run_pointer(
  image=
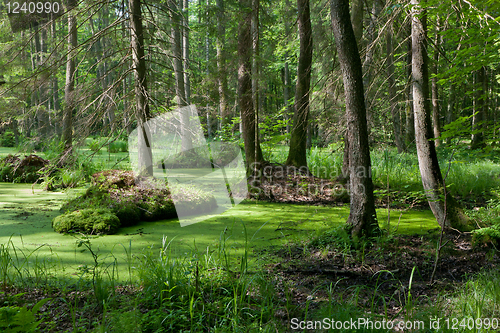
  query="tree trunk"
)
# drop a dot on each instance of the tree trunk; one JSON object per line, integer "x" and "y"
{"x": 221, "y": 64}
{"x": 55, "y": 86}
{"x": 176, "y": 41}
{"x": 145, "y": 158}
{"x": 180, "y": 92}
{"x": 297, "y": 153}
{"x": 410, "y": 120}
{"x": 255, "y": 59}
{"x": 362, "y": 216}
{"x": 69, "y": 95}
{"x": 286, "y": 74}
{"x": 447, "y": 212}
{"x": 357, "y": 20}
{"x": 450, "y": 108}
{"x": 253, "y": 152}
{"x": 185, "y": 51}
{"x": 478, "y": 118}
{"x": 434, "y": 88}
{"x": 393, "y": 99}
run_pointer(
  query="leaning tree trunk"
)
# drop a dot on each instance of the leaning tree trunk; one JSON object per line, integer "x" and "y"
{"x": 447, "y": 211}
{"x": 145, "y": 158}
{"x": 362, "y": 216}
{"x": 297, "y": 153}
{"x": 253, "y": 151}
{"x": 69, "y": 95}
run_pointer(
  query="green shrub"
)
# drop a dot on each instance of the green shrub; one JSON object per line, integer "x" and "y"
{"x": 90, "y": 221}
{"x": 8, "y": 139}
{"x": 118, "y": 146}
{"x": 486, "y": 236}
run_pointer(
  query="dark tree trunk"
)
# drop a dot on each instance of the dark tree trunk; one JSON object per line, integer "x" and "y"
{"x": 362, "y": 216}
{"x": 180, "y": 91}
{"x": 410, "y": 120}
{"x": 447, "y": 212}
{"x": 253, "y": 151}
{"x": 69, "y": 94}
{"x": 176, "y": 18}
{"x": 393, "y": 99}
{"x": 185, "y": 51}
{"x": 145, "y": 158}
{"x": 221, "y": 64}
{"x": 480, "y": 91}
{"x": 297, "y": 152}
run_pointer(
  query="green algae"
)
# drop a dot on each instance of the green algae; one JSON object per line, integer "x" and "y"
{"x": 26, "y": 215}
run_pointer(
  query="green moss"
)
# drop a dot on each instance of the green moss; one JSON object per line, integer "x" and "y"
{"x": 128, "y": 213}
{"x": 90, "y": 221}
{"x": 486, "y": 236}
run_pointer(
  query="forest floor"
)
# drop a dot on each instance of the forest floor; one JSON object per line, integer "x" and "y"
{"x": 379, "y": 277}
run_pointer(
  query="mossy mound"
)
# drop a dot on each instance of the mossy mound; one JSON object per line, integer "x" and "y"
{"x": 25, "y": 170}
{"x": 89, "y": 221}
{"x": 148, "y": 200}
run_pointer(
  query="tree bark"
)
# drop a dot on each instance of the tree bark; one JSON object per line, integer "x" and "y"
{"x": 145, "y": 158}
{"x": 357, "y": 20}
{"x": 253, "y": 151}
{"x": 410, "y": 120}
{"x": 221, "y": 64}
{"x": 185, "y": 51}
{"x": 69, "y": 94}
{"x": 480, "y": 91}
{"x": 393, "y": 99}
{"x": 297, "y": 153}
{"x": 434, "y": 89}
{"x": 447, "y": 211}
{"x": 362, "y": 216}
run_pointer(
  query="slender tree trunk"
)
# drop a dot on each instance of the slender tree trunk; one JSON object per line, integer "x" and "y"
{"x": 55, "y": 85}
{"x": 177, "y": 50}
{"x": 450, "y": 108}
{"x": 362, "y": 216}
{"x": 253, "y": 152}
{"x": 393, "y": 99}
{"x": 297, "y": 153}
{"x": 286, "y": 74}
{"x": 434, "y": 89}
{"x": 255, "y": 59}
{"x": 410, "y": 119}
{"x": 69, "y": 95}
{"x": 478, "y": 118}
{"x": 447, "y": 212}
{"x": 185, "y": 51}
{"x": 145, "y": 158}
{"x": 221, "y": 64}
{"x": 176, "y": 17}
{"x": 370, "y": 51}
{"x": 357, "y": 20}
